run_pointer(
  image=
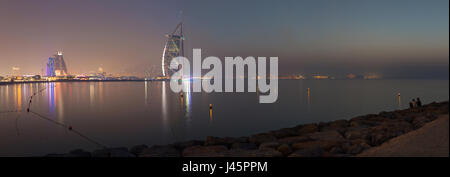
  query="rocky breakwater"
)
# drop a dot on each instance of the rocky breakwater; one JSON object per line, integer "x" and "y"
{"x": 340, "y": 138}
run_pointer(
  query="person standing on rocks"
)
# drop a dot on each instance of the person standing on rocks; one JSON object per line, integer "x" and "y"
{"x": 419, "y": 103}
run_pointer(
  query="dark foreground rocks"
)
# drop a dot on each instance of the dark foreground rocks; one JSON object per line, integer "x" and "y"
{"x": 431, "y": 140}
{"x": 340, "y": 138}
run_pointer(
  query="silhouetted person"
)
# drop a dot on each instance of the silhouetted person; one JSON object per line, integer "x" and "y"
{"x": 419, "y": 103}
{"x": 414, "y": 103}
{"x": 410, "y": 104}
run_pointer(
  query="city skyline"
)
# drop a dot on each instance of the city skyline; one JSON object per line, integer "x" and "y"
{"x": 182, "y": 79}
{"x": 394, "y": 39}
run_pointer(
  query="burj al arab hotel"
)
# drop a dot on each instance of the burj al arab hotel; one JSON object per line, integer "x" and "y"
{"x": 174, "y": 47}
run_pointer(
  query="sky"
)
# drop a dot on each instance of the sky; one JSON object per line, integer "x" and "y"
{"x": 404, "y": 39}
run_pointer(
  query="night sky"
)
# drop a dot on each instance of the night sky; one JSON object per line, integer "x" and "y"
{"x": 397, "y": 39}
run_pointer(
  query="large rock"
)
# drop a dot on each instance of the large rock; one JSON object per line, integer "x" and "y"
{"x": 73, "y": 153}
{"x": 308, "y": 128}
{"x": 325, "y": 145}
{"x": 246, "y": 146}
{"x": 355, "y": 147}
{"x": 56, "y": 155}
{"x": 101, "y": 153}
{"x": 79, "y": 153}
{"x": 120, "y": 152}
{"x": 308, "y": 152}
{"x": 181, "y": 145}
{"x": 327, "y": 136}
{"x": 136, "y": 150}
{"x": 443, "y": 108}
{"x": 389, "y": 115}
{"x": 261, "y": 138}
{"x": 432, "y": 115}
{"x": 227, "y": 141}
{"x": 112, "y": 152}
{"x": 285, "y": 132}
{"x": 388, "y": 130}
{"x": 364, "y": 123}
{"x": 294, "y": 139}
{"x": 269, "y": 145}
{"x": 284, "y": 149}
{"x": 336, "y": 150}
{"x": 252, "y": 153}
{"x": 338, "y": 125}
{"x": 418, "y": 122}
{"x": 357, "y": 133}
{"x": 204, "y": 151}
{"x": 160, "y": 151}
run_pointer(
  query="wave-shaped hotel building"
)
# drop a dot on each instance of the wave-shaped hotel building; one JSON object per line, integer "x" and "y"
{"x": 174, "y": 47}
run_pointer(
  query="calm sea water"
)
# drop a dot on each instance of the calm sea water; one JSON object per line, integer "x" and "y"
{"x": 124, "y": 114}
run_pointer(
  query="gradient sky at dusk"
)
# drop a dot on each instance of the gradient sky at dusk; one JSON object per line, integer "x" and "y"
{"x": 398, "y": 39}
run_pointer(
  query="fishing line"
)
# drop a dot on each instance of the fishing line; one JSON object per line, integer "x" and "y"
{"x": 61, "y": 124}
{"x": 71, "y": 129}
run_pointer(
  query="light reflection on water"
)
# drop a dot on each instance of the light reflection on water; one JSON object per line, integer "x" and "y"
{"x": 187, "y": 95}
{"x": 114, "y": 114}
{"x": 92, "y": 93}
{"x": 146, "y": 92}
{"x": 51, "y": 97}
{"x": 309, "y": 99}
{"x": 164, "y": 109}
{"x": 18, "y": 93}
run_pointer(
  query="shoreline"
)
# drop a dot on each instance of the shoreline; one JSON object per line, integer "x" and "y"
{"x": 339, "y": 138}
{"x": 32, "y": 82}
{"x": 162, "y": 80}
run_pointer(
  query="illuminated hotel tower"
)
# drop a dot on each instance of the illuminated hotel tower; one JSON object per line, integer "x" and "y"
{"x": 174, "y": 47}
{"x": 56, "y": 65}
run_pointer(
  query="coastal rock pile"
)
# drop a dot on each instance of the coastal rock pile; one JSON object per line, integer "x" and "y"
{"x": 340, "y": 138}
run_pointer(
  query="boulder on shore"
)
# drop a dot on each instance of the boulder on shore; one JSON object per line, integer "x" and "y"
{"x": 246, "y": 146}
{"x": 308, "y": 128}
{"x": 325, "y": 145}
{"x": 181, "y": 145}
{"x": 262, "y": 138}
{"x": 284, "y": 149}
{"x": 112, "y": 152}
{"x": 252, "y": 153}
{"x": 204, "y": 151}
{"x": 284, "y": 132}
{"x": 227, "y": 141}
{"x": 269, "y": 145}
{"x": 136, "y": 150}
{"x": 340, "y": 138}
{"x": 160, "y": 151}
{"x": 294, "y": 139}
{"x": 308, "y": 152}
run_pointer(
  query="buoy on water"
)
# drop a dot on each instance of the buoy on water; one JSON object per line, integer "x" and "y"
{"x": 210, "y": 112}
